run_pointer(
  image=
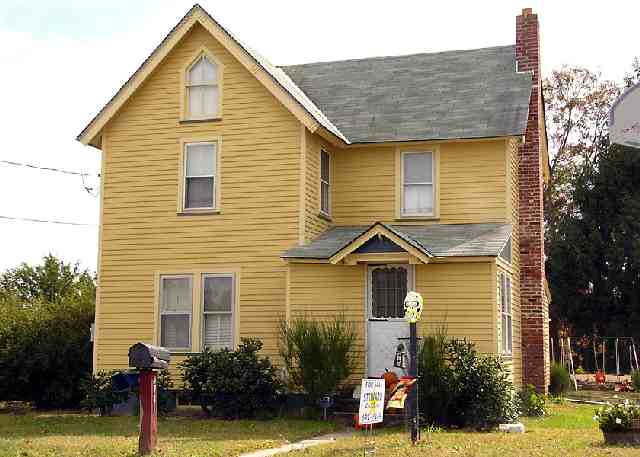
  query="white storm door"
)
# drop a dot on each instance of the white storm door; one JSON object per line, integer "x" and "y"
{"x": 387, "y": 286}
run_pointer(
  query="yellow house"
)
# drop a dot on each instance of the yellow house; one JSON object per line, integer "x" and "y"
{"x": 236, "y": 193}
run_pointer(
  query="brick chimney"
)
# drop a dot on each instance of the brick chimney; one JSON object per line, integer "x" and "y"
{"x": 533, "y": 303}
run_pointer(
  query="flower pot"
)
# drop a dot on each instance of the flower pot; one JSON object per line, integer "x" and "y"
{"x": 623, "y": 437}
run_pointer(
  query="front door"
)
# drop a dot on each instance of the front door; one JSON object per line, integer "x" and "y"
{"x": 387, "y": 286}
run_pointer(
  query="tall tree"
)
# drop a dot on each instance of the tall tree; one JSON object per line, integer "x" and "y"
{"x": 53, "y": 281}
{"x": 591, "y": 208}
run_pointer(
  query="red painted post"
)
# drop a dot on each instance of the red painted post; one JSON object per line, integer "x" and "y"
{"x": 148, "y": 413}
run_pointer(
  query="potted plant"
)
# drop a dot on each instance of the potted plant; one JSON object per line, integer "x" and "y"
{"x": 620, "y": 423}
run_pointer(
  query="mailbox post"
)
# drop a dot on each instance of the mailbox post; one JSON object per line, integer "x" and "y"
{"x": 147, "y": 359}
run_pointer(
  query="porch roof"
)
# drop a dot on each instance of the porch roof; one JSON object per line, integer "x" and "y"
{"x": 433, "y": 240}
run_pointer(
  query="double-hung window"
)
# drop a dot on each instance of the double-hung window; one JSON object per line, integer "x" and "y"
{"x": 176, "y": 306}
{"x": 507, "y": 317}
{"x": 200, "y": 168}
{"x": 417, "y": 184}
{"x": 203, "y": 89}
{"x": 218, "y": 304}
{"x": 325, "y": 183}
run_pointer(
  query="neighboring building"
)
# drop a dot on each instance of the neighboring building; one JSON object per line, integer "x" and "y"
{"x": 236, "y": 194}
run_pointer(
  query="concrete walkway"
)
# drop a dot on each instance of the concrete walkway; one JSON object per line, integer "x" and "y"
{"x": 317, "y": 441}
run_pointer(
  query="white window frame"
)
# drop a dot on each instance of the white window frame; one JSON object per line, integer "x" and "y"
{"x": 175, "y": 313}
{"x": 214, "y": 199}
{"x": 188, "y": 84}
{"x": 506, "y": 315}
{"x": 233, "y": 306}
{"x": 327, "y": 183}
{"x": 403, "y": 212}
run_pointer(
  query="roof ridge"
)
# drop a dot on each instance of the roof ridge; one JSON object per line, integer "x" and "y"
{"x": 362, "y": 59}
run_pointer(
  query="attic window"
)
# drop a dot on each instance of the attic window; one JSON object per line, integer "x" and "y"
{"x": 202, "y": 89}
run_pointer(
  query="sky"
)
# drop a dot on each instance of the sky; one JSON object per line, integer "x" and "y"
{"x": 63, "y": 60}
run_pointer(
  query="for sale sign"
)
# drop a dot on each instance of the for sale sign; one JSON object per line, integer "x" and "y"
{"x": 371, "y": 401}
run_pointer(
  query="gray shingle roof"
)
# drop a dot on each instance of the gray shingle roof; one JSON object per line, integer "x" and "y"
{"x": 437, "y": 240}
{"x": 456, "y": 94}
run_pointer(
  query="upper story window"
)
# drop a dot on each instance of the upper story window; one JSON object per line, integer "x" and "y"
{"x": 417, "y": 184}
{"x": 202, "y": 89}
{"x": 200, "y": 175}
{"x": 325, "y": 182}
{"x": 506, "y": 313}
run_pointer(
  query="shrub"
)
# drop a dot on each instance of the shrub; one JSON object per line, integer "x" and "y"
{"x": 100, "y": 394}
{"x": 531, "y": 403}
{"x": 459, "y": 387}
{"x": 45, "y": 351}
{"x": 618, "y": 417}
{"x": 165, "y": 398}
{"x": 483, "y": 394}
{"x": 233, "y": 384}
{"x": 560, "y": 379}
{"x": 435, "y": 373}
{"x": 635, "y": 380}
{"x": 317, "y": 355}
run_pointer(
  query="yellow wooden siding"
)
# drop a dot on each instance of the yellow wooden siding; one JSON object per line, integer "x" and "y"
{"x": 514, "y": 214}
{"x": 318, "y": 291}
{"x": 459, "y": 298}
{"x": 472, "y": 183}
{"x": 141, "y": 231}
{"x": 314, "y": 223}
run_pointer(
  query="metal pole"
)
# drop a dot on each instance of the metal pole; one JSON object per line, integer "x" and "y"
{"x": 413, "y": 372}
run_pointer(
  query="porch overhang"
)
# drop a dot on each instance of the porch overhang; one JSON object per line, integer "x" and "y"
{"x": 413, "y": 244}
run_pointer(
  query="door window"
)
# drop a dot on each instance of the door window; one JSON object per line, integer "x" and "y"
{"x": 388, "y": 290}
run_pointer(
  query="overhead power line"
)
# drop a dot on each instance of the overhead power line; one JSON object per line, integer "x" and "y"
{"x": 89, "y": 190}
{"x": 46, "y": 221}
{"x": 36, "y": 167}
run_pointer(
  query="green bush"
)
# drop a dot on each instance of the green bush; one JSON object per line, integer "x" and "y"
{"x": 560, "y": 380}
{"x": 436, "y": 394}
{"x": 233, "y": 384}
{"x": 531, "y": 403}
{"x": 462, "y": 388}
{"x": 318, "y": 355}
{"x": 483, "y": 393}
{"x": 100, "y": 394}
{"x": 635, "y": 380}
{"x": 45, "y": 351}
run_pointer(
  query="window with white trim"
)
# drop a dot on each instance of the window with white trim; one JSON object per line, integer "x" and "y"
{"x": 506, "y": 313}
{"x": 417, "y": 184}
{"x": 218, "y": 300}
{"x": 200, "y": 168}
{"x": 176, "y": 306}
{"x": 325, "y": 182}
{"x": 202, "y": 89}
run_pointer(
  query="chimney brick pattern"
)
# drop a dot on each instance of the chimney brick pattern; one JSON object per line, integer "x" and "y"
{"x": 534, "y": 306}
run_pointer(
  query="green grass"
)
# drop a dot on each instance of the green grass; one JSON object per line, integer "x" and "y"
{"x": 67, "y": 435}
{"x": 569, "y": 430}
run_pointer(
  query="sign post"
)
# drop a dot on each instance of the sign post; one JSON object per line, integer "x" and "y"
{"x": 412, "y": 313}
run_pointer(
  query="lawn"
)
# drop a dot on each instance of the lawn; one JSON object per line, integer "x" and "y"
{"x": 67, "y": 435}
{"x": 568, "y": 431}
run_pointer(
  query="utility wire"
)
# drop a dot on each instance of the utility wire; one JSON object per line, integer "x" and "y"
{"x": 36, "y": 167}
{"x": 46, "y": 221}
{"x": 88, "y": 189}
